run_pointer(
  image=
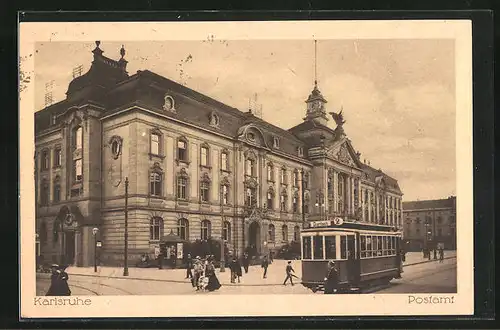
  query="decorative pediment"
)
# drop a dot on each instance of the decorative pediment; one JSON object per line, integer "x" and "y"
{"x": 344, "y": 156}
{"x": 225, "y": 181}
{"x": 251, "y": 183}
{"x": 156, "y": 168}
{"x": 205, "y": 178}
{"x": 183, "y": 173}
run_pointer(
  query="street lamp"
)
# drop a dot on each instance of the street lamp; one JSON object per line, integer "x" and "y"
{"x": 222, "y": 259}
{"x": 125, "y": 259}
{"x": 95, "y": 230}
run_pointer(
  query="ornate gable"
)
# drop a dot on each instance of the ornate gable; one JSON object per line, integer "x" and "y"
{"x": 344, "y": 153}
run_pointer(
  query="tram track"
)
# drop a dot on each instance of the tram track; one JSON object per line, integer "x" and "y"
{"x": 75, "y": 286}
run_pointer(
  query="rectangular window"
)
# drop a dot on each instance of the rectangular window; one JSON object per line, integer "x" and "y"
{"x": 318, "y": 247}
{"x": 363, "y": 246}
{"x": 204, "y": 156}
{"x": 295, "y": 205}
{"x": 283, "y": 203}
{"x": 78, "y": 170}
{"x": 269, "y": 173}
{"x": 295, "y": 179}
{"x": 306, "y": 181}
{"x": 343, "y": 247}
{"x": 306, "y": 247}
{"x": 57, "y": 193}
{"x": 225, "y": 194}
{"x": 330, "y": 247}
{"x": 269, "y": 201}
{"x": 57, "y": 157}
{"x": 250, "y": 171}
{"x": 204, "y": 191}
{"x": 250, "y": 198}
{"x": 45, "y": 160}
{"x": 380, "y": 246}
{"x": 283, "y": 176}
{"x": 155, "y": 184}
{"x": 369, "y": 246}
{"x": 181, "y": 188}
{"x": 155, "y": 144}
{"x": 155, "y": 229}
{"x": 182, "y": 150}
{"x": 374, "y": 246}
{"x": 224, "y": 162}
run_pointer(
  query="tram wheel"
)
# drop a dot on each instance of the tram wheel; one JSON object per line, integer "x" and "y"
{"x": 314, "y": 289}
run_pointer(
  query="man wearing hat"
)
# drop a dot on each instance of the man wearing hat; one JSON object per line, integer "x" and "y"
{"x": 198, "y": 270}
{"x": 332, "y": 278}
{"x": 289, "y": 273}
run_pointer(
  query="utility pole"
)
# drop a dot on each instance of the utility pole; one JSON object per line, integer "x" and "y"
{"x": 125, "y": 267}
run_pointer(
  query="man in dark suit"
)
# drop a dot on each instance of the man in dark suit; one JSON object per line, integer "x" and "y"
{"x": 332, "y": 278}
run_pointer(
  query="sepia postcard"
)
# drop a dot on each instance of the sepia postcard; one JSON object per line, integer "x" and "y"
{"x": 184, "y": 169}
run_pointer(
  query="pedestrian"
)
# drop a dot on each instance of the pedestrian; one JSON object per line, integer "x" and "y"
{"x": 403, "y": 255}
{"x": 59, "y": 282}
{"x": 232, "y": 267}
{"x": 189, "y": 266}
{"x": 271, "y": 257}
{"x": 239, "y": 273}
{"x": 213, "y": 281}
{"x": 441, "y": 255}
{"x": 265, "y": 264}
{"x": 197, "y": 273}
{"x": 332, "y": 278}
{"x": 246, "y": 262}
{"x": 289, "y": 273}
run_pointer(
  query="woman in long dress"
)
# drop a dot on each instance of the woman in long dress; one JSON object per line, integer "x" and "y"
{"x": 59, "y": 282}
{"x": 213, "y": 281}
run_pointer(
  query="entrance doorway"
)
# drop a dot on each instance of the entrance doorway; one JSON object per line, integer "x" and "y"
{"x": 254, "y": 238}
{"x": 69, "y": 247}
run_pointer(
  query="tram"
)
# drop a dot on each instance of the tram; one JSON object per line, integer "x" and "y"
{"x": 365, "y": 254}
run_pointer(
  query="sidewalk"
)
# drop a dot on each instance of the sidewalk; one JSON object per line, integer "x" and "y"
{"x": 275, "y": 272}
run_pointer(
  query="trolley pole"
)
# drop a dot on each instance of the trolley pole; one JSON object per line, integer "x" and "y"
{"x": 303, "y": 199}
{"x": 125, "y": 259}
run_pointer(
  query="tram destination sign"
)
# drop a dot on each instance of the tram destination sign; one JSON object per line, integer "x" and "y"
{"x": 327, "y": 223}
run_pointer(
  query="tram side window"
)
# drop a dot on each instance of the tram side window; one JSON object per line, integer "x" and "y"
{"x": 389, "y": 245}
{"x": 369, "y": 242}
{"x": 374, "y": 245}
{"x": 364, "y": 253}
{"x": 379, "y": 249}
{"x": 318, "y": 247}
{"x": 343, "y": 247}
{"x": 330, "y": 247}
{"x": 385, "y": 247}
{"x": 393, "y": 239}
{"x": 306, "y": 247}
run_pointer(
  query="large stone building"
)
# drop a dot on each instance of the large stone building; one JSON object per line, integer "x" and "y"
{"x": 195, "y": 166}
{"x": 429, "y": 222}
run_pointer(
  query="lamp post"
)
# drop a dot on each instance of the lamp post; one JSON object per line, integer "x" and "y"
{"x": 222, "y": 258}
{"x": 95, "y": 230}
{"x": 125, "y": 257}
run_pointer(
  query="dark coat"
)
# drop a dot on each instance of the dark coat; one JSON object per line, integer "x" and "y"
{"x": 238, "y": 269}
{"x": 246, "y": 261}
{"x": 332, "y": 280}
{"x": 59, "y": 285}
{"x": 189, "y": 263}
{"x": 265, "y": 263}
{"x": 213, "y": 281}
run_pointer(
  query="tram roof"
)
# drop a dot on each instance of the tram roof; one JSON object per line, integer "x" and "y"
{"x": 330, "y": 225}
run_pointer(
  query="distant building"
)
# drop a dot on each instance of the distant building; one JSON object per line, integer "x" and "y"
{"x": 429, "y": 222}
{"x": 197, "y": 168}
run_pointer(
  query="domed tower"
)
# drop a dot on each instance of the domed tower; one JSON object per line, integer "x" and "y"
{"x": 316, "y": 109}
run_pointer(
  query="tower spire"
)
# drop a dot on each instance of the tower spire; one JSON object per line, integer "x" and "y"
{"x": 315, "y": 63}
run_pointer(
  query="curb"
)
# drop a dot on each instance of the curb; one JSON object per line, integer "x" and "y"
{"x": 427, "y": 261}
{"x": 46, "y": 275}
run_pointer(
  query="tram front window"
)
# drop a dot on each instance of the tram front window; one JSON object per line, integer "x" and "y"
{"x": 306, "y": 247}
{"x": 318, "y": 247}
{"x": 343, "y": 247}
{"x": 330, "y": 247}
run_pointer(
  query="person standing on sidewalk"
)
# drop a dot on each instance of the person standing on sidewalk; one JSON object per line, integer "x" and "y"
{"x": 265, "y": 264}
{"x": 441, "y": 255}
{"x": 289, "y": 273}
{"x": 198, "y": 271}
{"x": 232, "y": 267}
{"x": 246, "y": 262}
{"x": 239, "y": 273}
{"x": 189, "y": 266}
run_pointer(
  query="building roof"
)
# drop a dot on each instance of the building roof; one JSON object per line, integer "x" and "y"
{"x": 449, "y": 202}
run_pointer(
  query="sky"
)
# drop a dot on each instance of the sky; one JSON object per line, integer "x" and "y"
{"x": 397, "y": 96}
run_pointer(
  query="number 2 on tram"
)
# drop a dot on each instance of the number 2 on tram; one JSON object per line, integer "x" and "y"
{"x": 363, "y": 256}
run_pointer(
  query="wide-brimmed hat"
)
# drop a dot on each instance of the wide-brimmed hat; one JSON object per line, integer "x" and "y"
{"x": 54, "y": 266}
{"x": 289, "y": 262}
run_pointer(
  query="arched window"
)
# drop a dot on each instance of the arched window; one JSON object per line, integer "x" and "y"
{"x": 57, "y": 190}
{"x": 155, "y": 183}
{"x": 57, "y": 157}
{"x": 44, "y": 192}
{"x": 204, "y": 155}
{"x": 206, "y": 229}
{"x": 182, "y": 152}
{"x": 296, "y": 233}
{"x": 226, "y": 231}
{"x": 284, "y": 233}
{"x": 155, "y": 228}
{"x": 183, "y": 229}
{"x": 271, "y": 233}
